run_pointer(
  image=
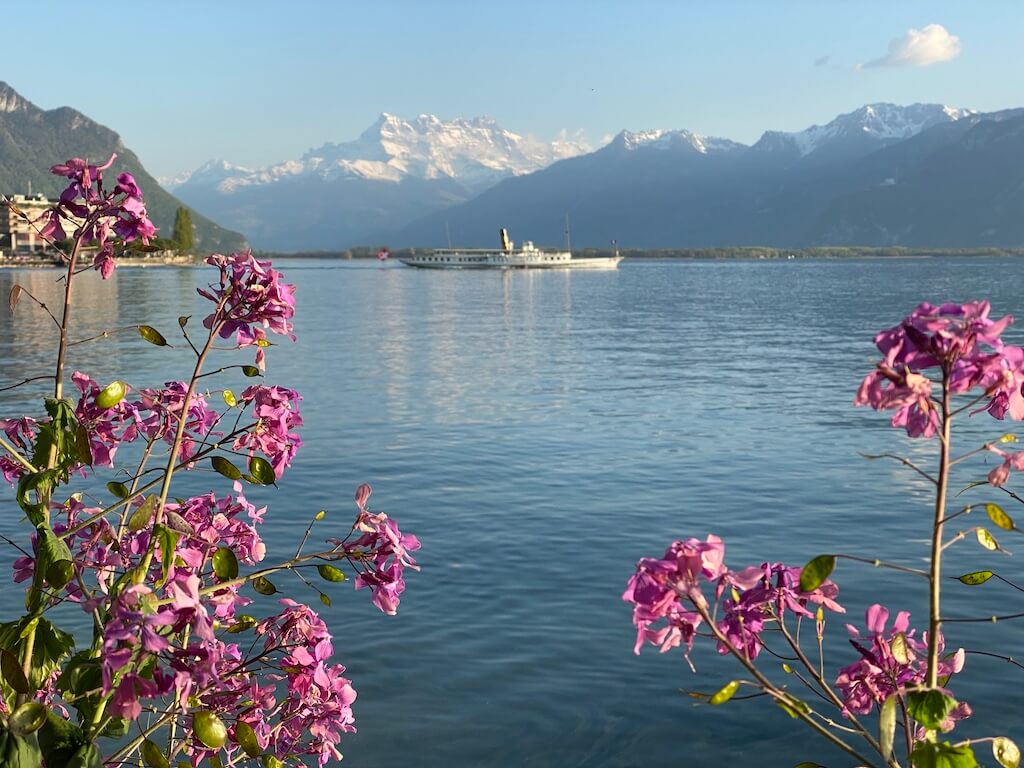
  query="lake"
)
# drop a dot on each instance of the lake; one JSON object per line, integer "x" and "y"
{"x": 541, "y": 431}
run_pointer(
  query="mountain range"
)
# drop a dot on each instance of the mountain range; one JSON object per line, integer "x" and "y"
{"x": 395, "y": 172}
{"x": 32, "y": 140}
{"x": 883, "y": 175}
{"x": 924, "y": 175}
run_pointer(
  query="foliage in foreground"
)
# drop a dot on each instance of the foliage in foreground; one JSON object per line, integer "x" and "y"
{"x": 185, "y": 661}
{"x": 940, "y": 363}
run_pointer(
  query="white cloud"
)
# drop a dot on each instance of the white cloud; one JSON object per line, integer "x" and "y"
{"x": 919, "y": 48}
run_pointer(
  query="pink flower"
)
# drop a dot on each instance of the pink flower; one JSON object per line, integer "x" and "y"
{"x": 894, "y": 661}
{"x": 963, "y": 343}
{"x": 249, "y": 293}
{"x": 276, "y": 410}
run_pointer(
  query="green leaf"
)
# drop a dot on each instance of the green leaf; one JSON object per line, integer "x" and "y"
{"x": 153, "y": 336}
{"x": 330, "y": 573}
{"x": 1006, "y": 752}
{"x": 209, "y": 729}
{"x": 724, "y": 693}
{"x": 111, "y": 395}
{"x": 143, "y": 514}
{"x": 226, "y": 468}
{"x": 10, "y": 667}
{"x": 269, "y": 761}
{"x": 816, "y": 571}
{"x": 899, "y": 649}
{"x": 325, "y": 600}
{"x": 999, "y": 517}
{"x": 927, "y": 754}
{"x": 81, "y": 674}
{"x": 118, "y": 489}
{"x": 986, "y": 539}
{"x": 229, "y": 398}
{"x": 177, "y": 522}
{"x": 320, "y": 515}
{"x": 242, "y": 623}
{"x": 793, "y": 706}
{"x": 20, "y": 751}
{"x": 263, "y": 585}
{"x": 251, "y": 371}
{"x": 225, "y": 564}
{"x": 54, "y": 558}
{"x": 183, "y": 320}
{"x": 168, "y": 539}
{"x": 929, "y": 707}
{"x": 83, "y": 445}
{"x": 153, "y": 756}
{"x": 88, "y": 755}
{"x": 60, "y": 740}
{"x": 245, "y": 737}
{"x": 887, "y": 726}
{"x": 262, "y": 471}
{"x": 28, "y": 718}
{"x": 975, "y": 578}
{"x": 1009, "y": 437}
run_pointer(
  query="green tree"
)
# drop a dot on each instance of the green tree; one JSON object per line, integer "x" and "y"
{"x": 183, "y": 229}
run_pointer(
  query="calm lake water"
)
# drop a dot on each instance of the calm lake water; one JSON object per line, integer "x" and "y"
{"x": 540, "y": 432}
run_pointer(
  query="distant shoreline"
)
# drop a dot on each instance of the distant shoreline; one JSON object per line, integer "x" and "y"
{"x": 745, "y": 253}
{"x": 154, "y": 260}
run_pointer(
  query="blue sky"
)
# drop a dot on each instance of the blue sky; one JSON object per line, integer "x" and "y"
{"x": 259, "y": 82}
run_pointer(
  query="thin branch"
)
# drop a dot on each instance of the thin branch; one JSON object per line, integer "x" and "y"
{"x": 1007, "y": 659}
{"x": 883, "y": 564}
{"x": 26, "y": 381}
{"x": 41, "y": 304}
{"x": 904, "y": 462}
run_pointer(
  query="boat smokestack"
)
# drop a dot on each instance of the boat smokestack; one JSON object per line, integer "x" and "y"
{"x": 506, "y": 244}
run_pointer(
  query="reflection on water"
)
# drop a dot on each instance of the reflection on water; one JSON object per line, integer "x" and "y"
{"x": 540, "y": 431}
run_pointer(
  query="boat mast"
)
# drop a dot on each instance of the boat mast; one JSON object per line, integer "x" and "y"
{"x": 568, "y": 236}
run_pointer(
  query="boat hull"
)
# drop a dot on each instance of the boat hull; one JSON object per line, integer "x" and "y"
{"x": 464, "y": 260}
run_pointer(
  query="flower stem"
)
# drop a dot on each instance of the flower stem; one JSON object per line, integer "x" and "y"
{"x": 935, "y": 577}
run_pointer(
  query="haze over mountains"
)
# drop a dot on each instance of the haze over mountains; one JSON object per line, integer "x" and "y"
{"x": 31, "y": 140}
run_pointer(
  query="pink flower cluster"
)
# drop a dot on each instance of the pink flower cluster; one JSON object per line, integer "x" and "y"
{"x": 669, "y": 590}
{"x": 98, "y": 216}
{"x": 276, "y": 410}
{"x": 381, "y": 553}
{"x": 964, "y": 345}
{"x": 160, "y": 410}
{"x": 163, "y": 577}
{"x": 893, "y": 661}
{"x": 250, "y": 297}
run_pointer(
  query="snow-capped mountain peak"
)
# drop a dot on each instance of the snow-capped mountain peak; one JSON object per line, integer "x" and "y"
{"x": 667, "y": 139}
{"x": 475, "y": 152}
{"x": 883, "y": 122}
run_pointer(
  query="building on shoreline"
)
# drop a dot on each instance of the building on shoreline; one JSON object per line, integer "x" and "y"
{"x": 18, "y": 234}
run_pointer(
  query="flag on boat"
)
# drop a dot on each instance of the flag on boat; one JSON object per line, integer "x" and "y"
{"x": 383, "y": 253}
